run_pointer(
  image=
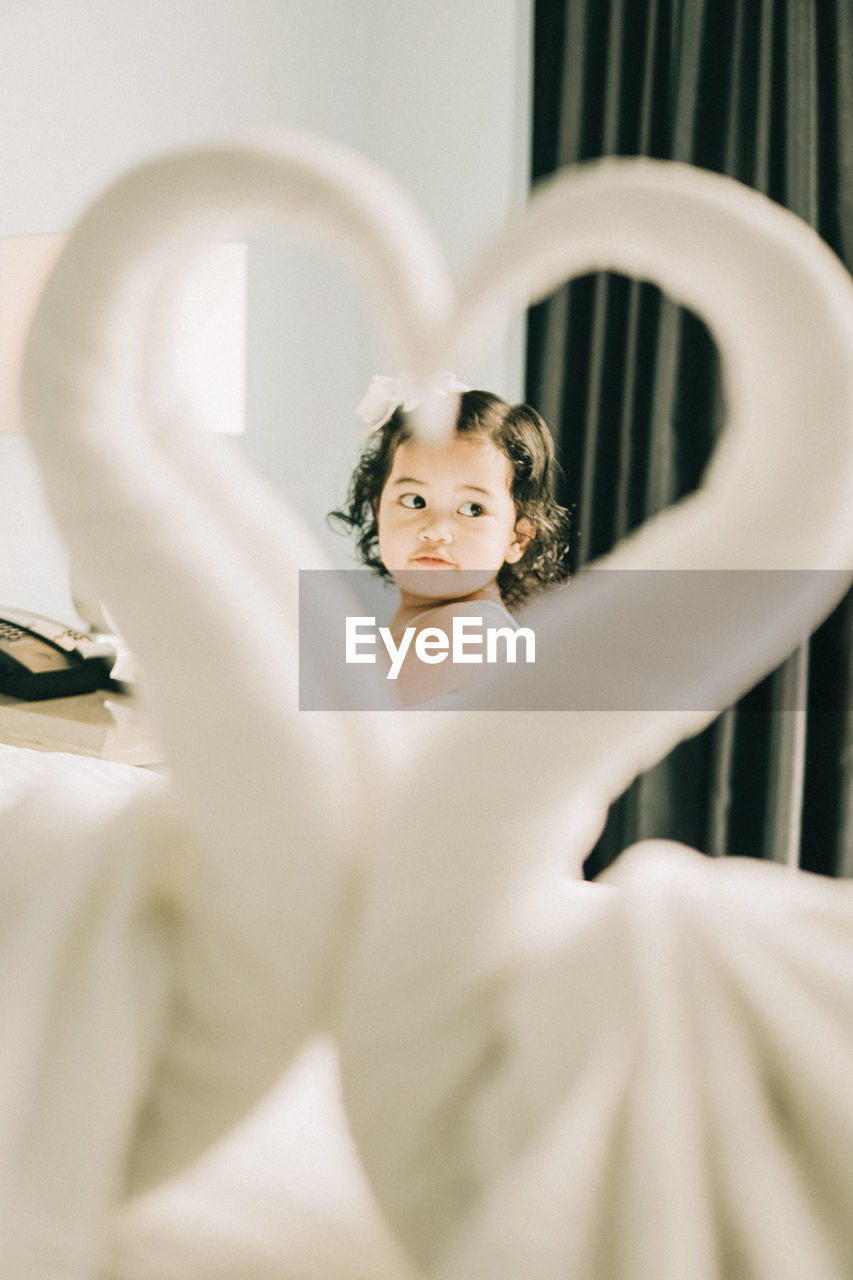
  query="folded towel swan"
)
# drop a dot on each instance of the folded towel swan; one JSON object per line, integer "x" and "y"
{"x": 646, "y": 1078}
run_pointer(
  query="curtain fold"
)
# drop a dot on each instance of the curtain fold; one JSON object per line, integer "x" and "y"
{"x": 761, "y": 90}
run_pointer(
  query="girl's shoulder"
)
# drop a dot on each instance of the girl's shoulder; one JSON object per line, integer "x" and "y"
{"x": 492, "y": 613}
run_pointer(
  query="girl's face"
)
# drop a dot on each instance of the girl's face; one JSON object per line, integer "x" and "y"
{"x": 447, "y": 521}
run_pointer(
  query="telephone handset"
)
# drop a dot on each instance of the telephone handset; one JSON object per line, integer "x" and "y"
{"x": 40, "y": 658}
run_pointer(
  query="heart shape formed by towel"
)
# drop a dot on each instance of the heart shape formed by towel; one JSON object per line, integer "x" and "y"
{"x": 198, "y": 564}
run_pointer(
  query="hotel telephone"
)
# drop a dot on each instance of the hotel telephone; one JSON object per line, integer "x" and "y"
{"x": 40, "y": 658}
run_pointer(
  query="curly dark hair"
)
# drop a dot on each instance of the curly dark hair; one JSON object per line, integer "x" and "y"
{"x": 523, "y": 437}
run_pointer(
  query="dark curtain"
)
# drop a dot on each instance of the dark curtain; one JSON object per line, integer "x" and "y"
{"x": 761, "y": 90}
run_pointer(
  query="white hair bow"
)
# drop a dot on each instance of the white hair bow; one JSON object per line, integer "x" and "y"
{"x": 387, "y": 393}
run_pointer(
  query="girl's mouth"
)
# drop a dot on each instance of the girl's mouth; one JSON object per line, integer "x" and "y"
{"x": 433, "y": 562}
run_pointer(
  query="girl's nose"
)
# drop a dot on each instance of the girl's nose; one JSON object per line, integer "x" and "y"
{"x": 436, "y": 529}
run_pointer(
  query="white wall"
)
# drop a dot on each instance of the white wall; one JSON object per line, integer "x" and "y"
{"x": 436, "y": 92}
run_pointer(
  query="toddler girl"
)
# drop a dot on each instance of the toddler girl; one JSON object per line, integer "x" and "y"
{"x": 469, "y": 526}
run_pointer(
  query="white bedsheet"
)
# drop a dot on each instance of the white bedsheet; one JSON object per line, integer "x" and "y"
{"x": 99, "y": 785}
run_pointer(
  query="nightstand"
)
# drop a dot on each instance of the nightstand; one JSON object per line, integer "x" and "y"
{"x": 107, "y": 726}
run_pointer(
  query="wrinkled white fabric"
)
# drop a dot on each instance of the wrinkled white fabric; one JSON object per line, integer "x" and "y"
{"x": 283, "y": 1197}
{"x": 540, "y": 1077}
{"x": 659, "y": 1089}
{"x": 85, "y": 952}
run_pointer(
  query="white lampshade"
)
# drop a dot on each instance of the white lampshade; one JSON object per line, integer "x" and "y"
{"x": 211, "y": 338}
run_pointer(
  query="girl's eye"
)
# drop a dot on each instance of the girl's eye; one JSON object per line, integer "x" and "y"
{"x": 412, "y": 500}
{"x": 471, "y": 509}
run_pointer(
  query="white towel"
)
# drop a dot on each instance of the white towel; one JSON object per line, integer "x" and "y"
{"x": 532, "y": 1072}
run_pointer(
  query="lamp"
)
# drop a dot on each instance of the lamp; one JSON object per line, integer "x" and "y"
{"x": 211, "y": 339}
{"x": 212, "y": 332}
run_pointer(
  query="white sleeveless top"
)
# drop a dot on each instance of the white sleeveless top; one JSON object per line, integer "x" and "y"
{"x": 454, "y": 699}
